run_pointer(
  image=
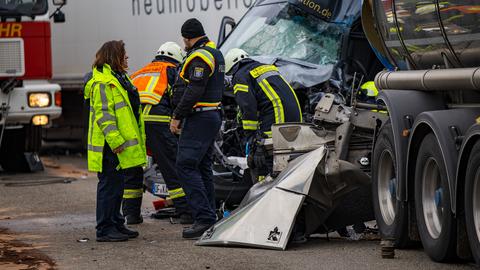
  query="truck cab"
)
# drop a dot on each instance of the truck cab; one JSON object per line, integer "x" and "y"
{"x": 28, "y": 101}
{"x": 319, "y": 47}
{"x": 315, "y": 44}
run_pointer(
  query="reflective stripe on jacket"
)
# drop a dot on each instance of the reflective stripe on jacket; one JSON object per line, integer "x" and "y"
{"x": 264, "y": 97}
{"x": 148, "y": 117}
{"x": 215, "y": 86}
{"x": 152, "y": 81}
{"x": 112, "y": 121}
{"x": 154, "y": 89}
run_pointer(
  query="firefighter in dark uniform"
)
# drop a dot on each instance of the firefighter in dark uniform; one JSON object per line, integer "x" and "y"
{"x": 198, "y": 117}
{"x": 265, "y": 98}
{"x": 154, "y": 83}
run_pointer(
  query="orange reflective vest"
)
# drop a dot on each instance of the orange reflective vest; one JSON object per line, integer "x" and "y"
{"x": 152, "y": 81}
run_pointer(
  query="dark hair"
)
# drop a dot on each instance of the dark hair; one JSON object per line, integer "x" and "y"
{"x": 112, "y": 53}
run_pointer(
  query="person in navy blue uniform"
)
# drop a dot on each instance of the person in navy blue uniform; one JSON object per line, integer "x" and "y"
{"x": 197, "y": 119}
{"x": 264, "y": 98}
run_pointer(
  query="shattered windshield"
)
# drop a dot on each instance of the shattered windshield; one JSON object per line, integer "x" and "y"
{"x": 283, "y": 30}
{"x": 23, "y": 7}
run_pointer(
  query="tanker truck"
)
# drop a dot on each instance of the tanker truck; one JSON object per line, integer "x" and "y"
{"x": 426, "y": 156}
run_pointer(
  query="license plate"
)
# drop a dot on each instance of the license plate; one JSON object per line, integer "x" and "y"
{"x": 160, "y": 189}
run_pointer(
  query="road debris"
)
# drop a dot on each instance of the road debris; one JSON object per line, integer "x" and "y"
{"x": 28, "y": 181}
{"x": 83, "y": 240}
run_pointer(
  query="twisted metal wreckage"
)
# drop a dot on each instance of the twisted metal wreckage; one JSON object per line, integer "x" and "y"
{"x": 324, "y": 182}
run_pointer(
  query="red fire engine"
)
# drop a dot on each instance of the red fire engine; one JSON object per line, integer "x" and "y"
{"x": 28, "y": 101}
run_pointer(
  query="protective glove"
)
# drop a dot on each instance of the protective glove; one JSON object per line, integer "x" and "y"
{"x": 259, "y": 157}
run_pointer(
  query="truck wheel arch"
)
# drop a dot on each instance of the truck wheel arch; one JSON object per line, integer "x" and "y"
{"x": 403, "y": 104}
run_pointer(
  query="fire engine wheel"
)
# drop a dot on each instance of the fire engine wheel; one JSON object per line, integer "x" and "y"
{"x": 391, "y": 214}
{"x": 472, "y": 201}
{"x": 15, "y": 143}
{"x": 436, "y": 222}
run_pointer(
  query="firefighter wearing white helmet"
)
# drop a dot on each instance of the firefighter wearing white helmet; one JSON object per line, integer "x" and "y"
{"x": 154, "y": 83}
{"x": 264, "y": 98}
{"x": 172, "y": 50}
{"x": 233, "y": 57}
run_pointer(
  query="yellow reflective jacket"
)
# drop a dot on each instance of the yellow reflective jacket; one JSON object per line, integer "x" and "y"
{"x": 112, "y": 120}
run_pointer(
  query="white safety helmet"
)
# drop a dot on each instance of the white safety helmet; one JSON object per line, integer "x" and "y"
{"x": 234, "y": 56}
{"x": 172, "y": 50}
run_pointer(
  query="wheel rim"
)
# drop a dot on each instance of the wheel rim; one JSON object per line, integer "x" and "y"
{"x": 387, "y": 184}
{"x": 476, "y": 203}
{"x": 432, "y": 198}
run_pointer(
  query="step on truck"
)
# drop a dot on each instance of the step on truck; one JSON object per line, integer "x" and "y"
{"x": 28, "y": 101}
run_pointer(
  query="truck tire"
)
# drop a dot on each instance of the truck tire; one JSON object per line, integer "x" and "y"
{"x": 390, "y": 213}
{"x": 472, "y": 201}
{"x": 15, "y": 143}
{"x": 436, "y": 222}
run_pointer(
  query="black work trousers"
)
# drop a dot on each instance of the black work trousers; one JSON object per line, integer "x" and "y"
{"x": 109, "y": 194}
{"x": 163, "y": 145}
{"x": 194, "y": 163}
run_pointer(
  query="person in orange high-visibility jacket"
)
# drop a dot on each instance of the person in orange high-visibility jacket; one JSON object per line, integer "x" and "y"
{"x": 154, "y": 83}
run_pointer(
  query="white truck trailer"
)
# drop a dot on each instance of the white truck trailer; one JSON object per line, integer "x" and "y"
{"x": 142, "y": 24}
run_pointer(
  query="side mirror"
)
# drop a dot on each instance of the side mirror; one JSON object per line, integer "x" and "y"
{"x": 59, "y": 17}
{"x": 222, "y": 35}
{"x": 59, "y": 2}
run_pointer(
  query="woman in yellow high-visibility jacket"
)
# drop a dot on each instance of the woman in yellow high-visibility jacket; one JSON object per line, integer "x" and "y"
{"x": 116, "y": 137}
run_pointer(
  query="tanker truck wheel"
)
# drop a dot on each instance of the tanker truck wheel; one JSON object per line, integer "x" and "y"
{"x": 436, "y": 222}
{"x": 472, "y": 201}
{"x": 390, "y": 213}
{"x": 15, "y": 143}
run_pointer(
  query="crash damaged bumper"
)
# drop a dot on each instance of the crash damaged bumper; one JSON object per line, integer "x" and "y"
{"x": 315, "y": 182}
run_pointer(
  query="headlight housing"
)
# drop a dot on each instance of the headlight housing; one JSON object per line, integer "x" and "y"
{"x": 39, "y": 100}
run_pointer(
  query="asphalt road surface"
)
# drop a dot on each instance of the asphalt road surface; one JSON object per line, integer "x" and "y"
{"x": 44, "y": 215}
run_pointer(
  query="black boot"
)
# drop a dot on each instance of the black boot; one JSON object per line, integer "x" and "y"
{"x": 113, "y": 236}
{"x": 134, "y": 219}
{"x": 131, "y": 209}
{"x": 127, "y": 231}
{"x": 195, "y": 231}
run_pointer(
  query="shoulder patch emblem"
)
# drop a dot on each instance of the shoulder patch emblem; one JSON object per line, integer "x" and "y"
{"x": 198, "y": 72}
